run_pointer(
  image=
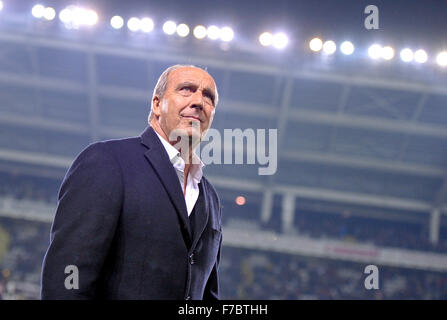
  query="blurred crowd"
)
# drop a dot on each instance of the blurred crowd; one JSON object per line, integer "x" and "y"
{"x": 385, "y": 233}
{"x": 381, "y": 232}
{"x": 29, "y": 187}
{"x": 251, "y": 274}
{"x": 21, "y": 254}
{"x": 245, "y": 274}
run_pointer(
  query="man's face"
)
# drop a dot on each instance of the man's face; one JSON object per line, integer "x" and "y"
{"x": 188, "y": 103}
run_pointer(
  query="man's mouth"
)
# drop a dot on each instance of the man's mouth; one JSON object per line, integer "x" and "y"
{"x": 192, "y": 118}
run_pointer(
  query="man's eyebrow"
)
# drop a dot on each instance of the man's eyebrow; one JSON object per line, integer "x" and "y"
{"x": 186, "y": 84}
{"x": 207, "y": 91}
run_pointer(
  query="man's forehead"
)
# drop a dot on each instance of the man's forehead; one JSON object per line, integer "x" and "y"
{"x": 191, "y": 74}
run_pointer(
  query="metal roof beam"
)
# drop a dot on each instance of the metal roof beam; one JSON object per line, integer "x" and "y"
{"x": 238, "y": 107}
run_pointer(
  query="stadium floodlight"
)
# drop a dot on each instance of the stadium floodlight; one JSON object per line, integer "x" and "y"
{"x": 420, "y": 56}
{"x": 66, "y": 15}
{"x": 280, "y": 40}
{"x": 84, "y": 17}
{"x": 316, "y": 44}
{"x": 266, "y": 39}
{"x": 169, "y": 27}
{"x": 73, "y": 16}
{"x": 133, "y": 24}
{"x": 117, "y": 22}
{"x": 182, "y": 30}
{"x": 387, "y": 53}
{"x": 347, "y": 48}
{"x": 441, "y": 58}
{"x": 49, "y": 13}
{"x": 406, "y": 55}
{"x": 38, "y": 11}
{"x": 200, "y": 32}
{"x": 213, "y": 32}
{"x": 78, "y": 17}
{"x": 146, "y": 25}
{"x": 329, "y": 47}
{"x": 91, "y": 17}
{"x": 375, "y": 51}
{"x": 226, "y": 34}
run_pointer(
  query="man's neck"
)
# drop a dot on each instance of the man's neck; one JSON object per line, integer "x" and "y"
{"x": 186, "y": 156}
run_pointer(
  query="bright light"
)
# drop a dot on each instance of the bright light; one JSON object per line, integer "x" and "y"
{"x": 441, "y": 58}
{"x": 49, "y": 13}
{"x": 240, "y": 200}
{"x": 37, "y": 11}
{"x": 266, "y": 39}
{"x": 329, "y": 47}
{"x": 1, "y": 5}
{"x": 84, "y": 17}
{"x": 387, "y": 53}
{"x": 117, "y": 22}
{"x": 213, "y": 32}
{"x": 133, "y": 24}
{"x": 347, "y": 48}
{"x": 406, "y": 55}
{"x": 66, "y": 15}
{"x": 74, "y": 16}
{"x": 91, "y": 17}
{"x": 79, "y": 16}
{"x": 199, "y": 32}
{"x": 227, "y": 34}
{"x": 420, "y": 56}
{"x": 169, "y": 27}
{"x": 280, "y": 40}
{"x": 316, "y": 44}
{"x": 146, "y": 25}
{"x": 182, "y": 30}
{"x": 375, "y": 51}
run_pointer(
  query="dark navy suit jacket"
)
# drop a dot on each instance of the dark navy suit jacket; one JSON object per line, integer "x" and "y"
{"x": 122, "y": 221}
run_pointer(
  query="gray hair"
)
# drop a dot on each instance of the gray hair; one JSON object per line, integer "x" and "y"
{"x": 162, "y": 83}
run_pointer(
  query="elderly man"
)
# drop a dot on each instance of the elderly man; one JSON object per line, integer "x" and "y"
{"x": 135, "y": 218}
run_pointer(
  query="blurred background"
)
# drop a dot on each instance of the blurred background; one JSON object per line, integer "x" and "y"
{"x": 361, "y": 118}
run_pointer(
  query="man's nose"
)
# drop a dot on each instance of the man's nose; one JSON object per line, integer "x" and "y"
{"x": 197, "y": 100}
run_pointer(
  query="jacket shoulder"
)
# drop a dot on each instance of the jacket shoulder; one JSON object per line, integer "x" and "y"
{"x": 110, "y": 147}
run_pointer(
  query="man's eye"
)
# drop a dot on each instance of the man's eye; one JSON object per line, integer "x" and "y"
{"x": 186, "y": 89}
{"x": 209, "y": 99}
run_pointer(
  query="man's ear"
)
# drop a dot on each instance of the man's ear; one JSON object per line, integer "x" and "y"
{"x": 156, "y": 105}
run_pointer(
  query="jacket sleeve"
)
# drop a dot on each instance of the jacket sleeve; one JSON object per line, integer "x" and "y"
{"x": 89, "y": 205}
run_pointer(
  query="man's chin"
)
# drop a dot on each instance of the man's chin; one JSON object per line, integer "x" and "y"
{"x": 185, "y": 133}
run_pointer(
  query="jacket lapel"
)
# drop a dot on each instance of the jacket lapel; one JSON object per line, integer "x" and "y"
{"x": 157, "y": 156}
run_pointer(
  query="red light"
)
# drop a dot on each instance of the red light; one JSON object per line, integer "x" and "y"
{"x": 240, "y": 201}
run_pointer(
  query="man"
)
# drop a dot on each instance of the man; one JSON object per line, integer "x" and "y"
{"x": 135, "y": 218}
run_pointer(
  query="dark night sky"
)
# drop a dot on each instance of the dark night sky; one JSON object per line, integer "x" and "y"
{"x": 413, "y": 22}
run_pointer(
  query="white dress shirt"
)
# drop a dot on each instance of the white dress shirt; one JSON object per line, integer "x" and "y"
{"x": 195, "y": 173}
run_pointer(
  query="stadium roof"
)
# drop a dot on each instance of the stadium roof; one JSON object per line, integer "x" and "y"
{"x": 351, "y": 131}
